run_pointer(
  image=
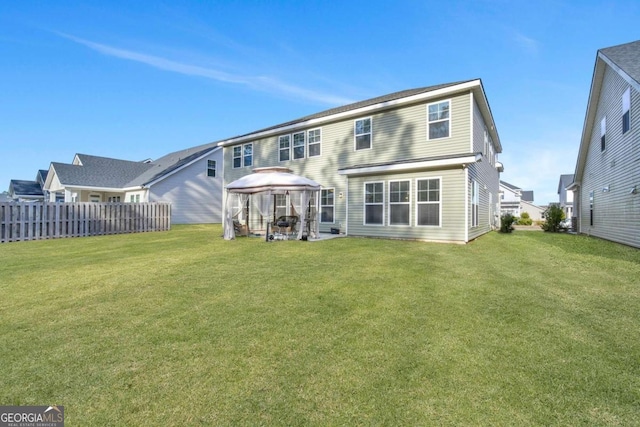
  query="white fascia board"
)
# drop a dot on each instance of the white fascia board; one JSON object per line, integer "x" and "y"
{"x": 620, "y": 71}
{"x": 186, "y": 165}
{"x": 406, "y": 167}
{"x": 104, "y": 189}
{"x": 351, "y": 113}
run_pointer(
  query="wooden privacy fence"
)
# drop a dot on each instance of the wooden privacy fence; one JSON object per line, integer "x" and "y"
{"x": 36, "y": 221}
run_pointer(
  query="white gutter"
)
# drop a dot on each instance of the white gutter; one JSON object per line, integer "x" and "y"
{"x": 357, "y": 112}
{"x": 405, "y": 167}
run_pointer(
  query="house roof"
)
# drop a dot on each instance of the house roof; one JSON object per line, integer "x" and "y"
{"x": 100, "y": 172}
{"x": 380, "y": 102}
{"x": 25, "y": 188}
{"x": 509, "y": 186}
{"x": 105, "y": 172}
{"x": 565, "y": 181}
{"x": 527, "y": 196}
{"x": 624, "y": 59}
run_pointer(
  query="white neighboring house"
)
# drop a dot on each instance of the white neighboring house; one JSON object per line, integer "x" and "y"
{"x": 515, "y": 201}
{"x": 565, "y": 198}
{"x": 191, "y": 180}
{"x": 607, "y": 177}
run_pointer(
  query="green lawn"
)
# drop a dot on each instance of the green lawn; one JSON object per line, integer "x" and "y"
{"x": 184, "y": 328}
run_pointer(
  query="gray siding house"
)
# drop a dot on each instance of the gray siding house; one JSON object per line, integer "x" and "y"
{"x": 416, "y": 164}
{"x": 191, "y": 180}
{"x": 607, "y": 176}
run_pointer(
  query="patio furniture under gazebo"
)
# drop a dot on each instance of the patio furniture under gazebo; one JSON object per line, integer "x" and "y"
{"x": 252, "y": 197}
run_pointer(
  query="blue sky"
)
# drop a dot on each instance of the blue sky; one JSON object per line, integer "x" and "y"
{"x": 137, "y": 80}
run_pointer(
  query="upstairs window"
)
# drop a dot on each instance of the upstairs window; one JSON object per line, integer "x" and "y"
{"x": 298, "y": 145}
{"x": 439, "y": 120}
{"x": 314, "y": 139}
{"x": 363, "y": 133}
{"x": 242, "y": 155}
{"x": 626, "y": 110}
{"x": 211, "y": 168}
{"x": 284, "y": 148}
{"x": 603, "y": 134}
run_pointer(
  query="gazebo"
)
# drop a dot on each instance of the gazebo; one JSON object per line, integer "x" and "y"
{"x": 253, "y": 200}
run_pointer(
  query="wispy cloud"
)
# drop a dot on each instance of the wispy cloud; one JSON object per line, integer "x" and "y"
{"x": 527, "y": 44}
{"x": 261, "y": 83}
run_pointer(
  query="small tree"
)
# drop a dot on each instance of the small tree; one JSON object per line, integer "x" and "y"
{"x": 553, "y": 217}
{"x": 506, "y": 223}
{"x": 525, "y": 219}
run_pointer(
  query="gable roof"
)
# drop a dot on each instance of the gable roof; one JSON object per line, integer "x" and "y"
{"x": 510, "y": 186}
{"x": 20, "y": 187}
{"x": 380, "y": 103}
{"x": 624, "y": 59}
{"x": 565, "y": 181}
{"x": 527, "y": 196}
{"x": 99, "y": 172}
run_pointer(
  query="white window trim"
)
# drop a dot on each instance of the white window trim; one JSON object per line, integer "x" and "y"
{"x": 365, "y": 204}
{"x": 293, "y": 145}
{"x": 355, "y": 134}
{"x": 288, "y": 149}
{"x": 332, "y": 206}
{"x": 319, "y": 143}
{"x": 449, "y": 119}
{"x": 214, "y": 168}
{"x": 603, "y": 133}
{"x": 418, "y": 203}
{"x": 234, "y": 157}
{"x": 389, "y": 203}
{"x": 475, "y": 203}
{"x": 626, "y": 108}
{"x": 242, "y": 156}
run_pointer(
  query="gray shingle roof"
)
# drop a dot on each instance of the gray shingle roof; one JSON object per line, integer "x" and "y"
{"x": 565, "y": 181}
{"x": 627, "y": 57}
{"x": 101, "y": 172}
{"x": 26, "y": 188}
{"x": 357, "y": 105}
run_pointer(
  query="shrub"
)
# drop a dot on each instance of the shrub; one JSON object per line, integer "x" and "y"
{"x": 525, "y": 219}
{"x": 506, "y": 223}
{"x": 553, "y": 219}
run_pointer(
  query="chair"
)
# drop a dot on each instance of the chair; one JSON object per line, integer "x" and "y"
{"x": 240, "y": 229}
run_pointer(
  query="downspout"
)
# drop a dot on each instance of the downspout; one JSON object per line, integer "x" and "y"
{"x": 466, "y": 203}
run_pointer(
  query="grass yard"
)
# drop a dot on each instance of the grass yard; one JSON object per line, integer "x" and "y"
{"x": 183, "y": 328}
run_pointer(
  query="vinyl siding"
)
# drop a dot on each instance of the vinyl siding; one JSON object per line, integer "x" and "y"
{"x": 488, "y": 178}
{"x": 195, "y": 197}
{"x": 398, "y": 134}
{"x": 616, "y": 211}
{"x": 452, "y": 188}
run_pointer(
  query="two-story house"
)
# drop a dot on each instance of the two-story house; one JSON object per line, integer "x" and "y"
{"x": 416, "y": 164}
{"x": 565, "y": 197}
{"x": 516, "y": 201}
{"x": 607, "y": 175}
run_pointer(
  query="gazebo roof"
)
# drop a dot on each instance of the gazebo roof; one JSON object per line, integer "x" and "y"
{"x": 274, "y": 179}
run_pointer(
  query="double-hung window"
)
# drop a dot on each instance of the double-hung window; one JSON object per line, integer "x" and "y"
{"x": 399, "y": 202}
{"x": 211, "y": 168}
{"x": 298, "y": 145}
{"x": 284, "y": 148}
{"x": 314, "y": 140}
{"x": 439, "y": 120}
{"x": 363, "y": 133}
{"x": 327, "y": 205}
{"x": 626, "y": 110}
{"x": 603, "y": 133}
{"x": 373, "y": 203}
{"x": 242, "y": 155}
{"x": 428, "y": 202}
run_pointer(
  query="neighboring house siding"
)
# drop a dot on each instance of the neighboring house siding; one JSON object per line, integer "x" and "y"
{"x": 610, "y": 174}
{"x": 194, "y": 196}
